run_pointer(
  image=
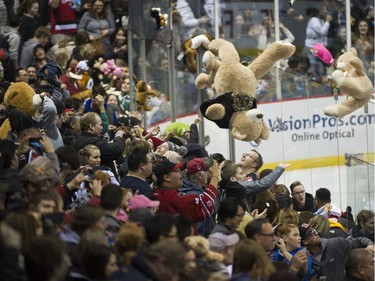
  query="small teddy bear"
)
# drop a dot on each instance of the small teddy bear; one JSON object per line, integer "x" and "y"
{"x": 190, "y": 47}
{"x": 350, "y": 78}
{"x": 161, "y": 19}
{"x": 143, "y": 92}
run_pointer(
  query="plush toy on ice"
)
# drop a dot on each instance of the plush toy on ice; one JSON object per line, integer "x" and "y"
{"x": 350, "y": 78}
{"x": 235, "y": 84}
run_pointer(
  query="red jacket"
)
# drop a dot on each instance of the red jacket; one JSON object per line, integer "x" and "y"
{"x": 196, "y": 207}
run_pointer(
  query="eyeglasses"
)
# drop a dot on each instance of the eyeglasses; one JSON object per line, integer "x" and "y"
{"x": 248, "y": 154}
{"x": 312, "y": 232}
{"x": 267, "y": 234}
{"x": 299, "y": 192}
{"x": 240, "y": 215}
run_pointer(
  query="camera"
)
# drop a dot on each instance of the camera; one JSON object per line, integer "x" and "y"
{"x": 89, "y": 173}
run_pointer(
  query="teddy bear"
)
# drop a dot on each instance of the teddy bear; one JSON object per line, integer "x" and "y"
{"x": 160, "y": 18}
{"x": 190, "y": 47}
{"x": 235, "y": 85}
{"x": 20, "y": 96}
{"x": 143, "y": 92}
{"x": 350, "y": 78}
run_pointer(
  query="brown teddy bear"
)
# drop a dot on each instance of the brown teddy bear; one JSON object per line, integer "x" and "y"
{"x": 143, "y": 92}
{"x": 350, "y": 78}
{"x": 22, "y": 97}
{"x": 235, "y": 84}
{"x": 190, "y": 47}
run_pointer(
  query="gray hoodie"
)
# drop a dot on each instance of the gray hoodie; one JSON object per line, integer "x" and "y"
{"x": 14, "y": 41}
{"x": 27, "y": 56}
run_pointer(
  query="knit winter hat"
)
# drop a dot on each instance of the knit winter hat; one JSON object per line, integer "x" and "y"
{"x": 156, "y": 142}
{"x": 182, "y": 150}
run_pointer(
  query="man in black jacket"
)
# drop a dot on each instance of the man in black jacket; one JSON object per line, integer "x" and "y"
{"x": 302, "y": 201}
{"x": 91, "y": 127}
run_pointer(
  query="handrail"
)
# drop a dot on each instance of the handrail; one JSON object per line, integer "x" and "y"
{"x": 349, "y": 157}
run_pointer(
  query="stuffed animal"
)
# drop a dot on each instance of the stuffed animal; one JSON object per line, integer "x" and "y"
{"x": 235, "y": 85}
{"x": 22, "y": 97}
{"x": 180, "y": 128}
{"x": 190, "y": 47}
{"x": 350, "y": 78}
{"x": 320, "y": 51}
{"x": 143, "y": 92}
{"x": 161, "y": 19}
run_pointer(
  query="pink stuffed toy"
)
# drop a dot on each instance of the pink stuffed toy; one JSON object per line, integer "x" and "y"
{"x": 109, "y": 67}
{"x": 320, "y": 51}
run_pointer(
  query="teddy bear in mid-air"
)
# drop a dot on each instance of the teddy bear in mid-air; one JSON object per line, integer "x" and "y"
{"x": 235, "y": 84}
{"x": 350, "y": 78}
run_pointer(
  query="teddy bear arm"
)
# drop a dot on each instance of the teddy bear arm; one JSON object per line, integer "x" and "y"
{"x": 357, "y": 65}
{"x": 203, "y": 80}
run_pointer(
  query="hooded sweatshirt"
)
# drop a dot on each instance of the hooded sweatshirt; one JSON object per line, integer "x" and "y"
{"x": 27, "y": 52}
{"x": 14, "y": 41}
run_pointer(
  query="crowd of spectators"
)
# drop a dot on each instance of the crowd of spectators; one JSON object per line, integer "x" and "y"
{"x": 89, "y": 193}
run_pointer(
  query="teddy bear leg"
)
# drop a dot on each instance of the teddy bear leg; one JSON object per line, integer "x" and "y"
{"x": 209, "y": 61}
{"x": 215, "y": 112}
{"x": 346, "y": 107}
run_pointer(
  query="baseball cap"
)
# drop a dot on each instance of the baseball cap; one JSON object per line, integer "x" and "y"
{"x": 21, "y": 121}
{"x": 196, "y": 165}
{"x": 219, "y": 241}
{"x": 164, "y": 167}
{"x": 305, "y": 231}
{"x": 39, "y": 170}
{"x": 141, "y": 201}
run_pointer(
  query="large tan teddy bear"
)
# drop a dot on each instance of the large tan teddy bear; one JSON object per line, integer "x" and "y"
{"x": 22, "y": 97}
{"x": 235, "y": 84}
{"x": 350, "y": 78}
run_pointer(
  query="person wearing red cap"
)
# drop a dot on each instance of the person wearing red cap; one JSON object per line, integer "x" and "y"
{"x": 169, "y": 180}
{"x": 195, "y": 183}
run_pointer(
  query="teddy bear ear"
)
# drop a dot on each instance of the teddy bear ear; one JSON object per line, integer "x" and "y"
{"x": 4, "y": 129}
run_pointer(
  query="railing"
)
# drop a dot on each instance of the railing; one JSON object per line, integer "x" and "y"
{"x": 360, "y": 182}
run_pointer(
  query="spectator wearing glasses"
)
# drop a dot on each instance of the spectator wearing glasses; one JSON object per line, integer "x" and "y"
{"x": 302, "y": 201}
{"x": 140, "y": 167}
{"x": 250, "y": 163}
{"x": 261, "y": 231}
{"x": 329, "y": 255}
{"x": 230, "y": 214}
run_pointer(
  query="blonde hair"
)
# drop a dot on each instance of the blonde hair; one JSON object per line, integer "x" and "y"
{"x": 250, "y": 257}
{"x": 201, "y": 248}
{"x": 128, "y": 241}
{"x": 62, "y": 56}
{"x": 286, "y": 216}
{"x": 86, "y": 152}
{"x": 284, "y": 229}
{"x": 321, "y": 224}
